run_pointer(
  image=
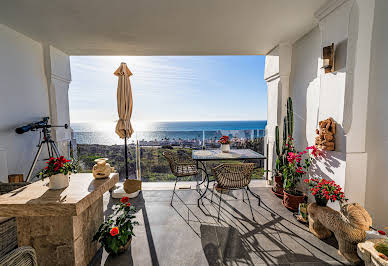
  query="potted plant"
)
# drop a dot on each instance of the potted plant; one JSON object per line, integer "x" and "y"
{"x": 225, "y": 143}
{"x": 58, "y": 170}
{"x": 324, "y": 190}
{"x": 277, "y": 188}
{"x": 298, "y": 164}
{"x": 115, "y": 234}
{"x": 282, "y": 150}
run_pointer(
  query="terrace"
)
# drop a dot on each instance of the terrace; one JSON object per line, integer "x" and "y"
{"x": 187, "y": 235}
{"x": 348, "y": 86}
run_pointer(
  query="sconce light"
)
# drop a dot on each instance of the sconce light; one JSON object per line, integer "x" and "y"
{"x": 328, "y": 58}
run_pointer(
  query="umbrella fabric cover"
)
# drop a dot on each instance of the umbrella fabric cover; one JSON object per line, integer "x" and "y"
{"x": 124, "y": 102}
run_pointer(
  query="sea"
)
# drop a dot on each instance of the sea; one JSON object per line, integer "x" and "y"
{"x": 154, "y": 132}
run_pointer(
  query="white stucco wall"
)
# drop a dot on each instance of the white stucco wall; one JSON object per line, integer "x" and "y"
{"x": 376, "y": 197}
{"x": 354, "y": 95}
{"x": 26, "y": 69}
{"x": 24, "y": 98}
{"x": 305, "y": 87}
{"x": 318, "y": 96}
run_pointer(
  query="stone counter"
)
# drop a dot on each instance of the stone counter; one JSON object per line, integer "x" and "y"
{"x": 59, "y": 224}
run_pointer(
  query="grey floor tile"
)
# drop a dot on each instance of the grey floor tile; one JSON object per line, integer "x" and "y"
{"x": 187, "y": 235}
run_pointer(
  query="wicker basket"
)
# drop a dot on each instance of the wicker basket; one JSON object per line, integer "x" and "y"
{"x": 8, "y": 232}
{"x": 8, "y": 236}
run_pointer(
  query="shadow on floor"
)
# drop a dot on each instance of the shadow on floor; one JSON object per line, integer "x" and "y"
{"x": 223, "y": 245}
{"x": 184, "y": 234}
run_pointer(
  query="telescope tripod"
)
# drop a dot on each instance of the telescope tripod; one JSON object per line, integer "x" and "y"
{"x": 51, "y": 149}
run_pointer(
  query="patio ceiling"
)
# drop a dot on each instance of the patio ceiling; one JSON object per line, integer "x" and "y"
{"x": 162, "y": 27}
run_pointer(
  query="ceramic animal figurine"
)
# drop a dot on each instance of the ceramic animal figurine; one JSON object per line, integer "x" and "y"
{"x": 349, "y": 226}
{"x": 102, "y": 169}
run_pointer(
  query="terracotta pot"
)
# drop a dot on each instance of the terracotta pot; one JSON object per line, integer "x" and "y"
{"x": 320, "y": 201}
{"x": 292, "y": 202}
{"x": 278, "y": 188}
{"x": 278, "y": 179}
{"x": 279, "y": 195}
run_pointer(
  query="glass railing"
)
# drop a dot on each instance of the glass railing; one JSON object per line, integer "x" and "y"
{"x": 151, "y": 145}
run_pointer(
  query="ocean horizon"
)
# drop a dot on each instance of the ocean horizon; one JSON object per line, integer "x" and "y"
{"x": 104, "y": 133}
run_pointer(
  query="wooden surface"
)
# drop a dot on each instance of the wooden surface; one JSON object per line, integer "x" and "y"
{"x": 37, "y": 200}
{"x": 234, "y": 154}
{"x": 15, "y": 178}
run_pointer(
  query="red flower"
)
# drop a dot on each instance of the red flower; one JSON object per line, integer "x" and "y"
{"x": 114, "y": 231}
{"x": 124, "y": 199}
{"x": 224, "y": 140}
{"x": 128, "y": 204}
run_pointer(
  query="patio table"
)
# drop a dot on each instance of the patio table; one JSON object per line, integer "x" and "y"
{"x": 59, "y": 224}
{"x": 201, "y": 156}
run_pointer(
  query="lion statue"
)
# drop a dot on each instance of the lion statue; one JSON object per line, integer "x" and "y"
{"x": 102, "y": 169}
{"x": 348, "y": 227}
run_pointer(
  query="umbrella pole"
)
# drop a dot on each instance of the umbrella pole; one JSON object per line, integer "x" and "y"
{"x": 126, "y": 157}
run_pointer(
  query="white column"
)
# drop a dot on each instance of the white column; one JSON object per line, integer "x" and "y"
{"x": 57, "y": 68}
{"x": 285, "y": 53}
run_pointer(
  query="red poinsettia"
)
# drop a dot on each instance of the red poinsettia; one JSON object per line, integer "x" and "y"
{"x": 56, "y": 166}
{"x": 124, "y": 199}
{"x": 325, "y": 189}
{"x": 224, "y": 140}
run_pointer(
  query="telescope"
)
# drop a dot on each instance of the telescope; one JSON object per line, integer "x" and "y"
{"x": 50, "y": 144}
{"x": 36, "y": 125}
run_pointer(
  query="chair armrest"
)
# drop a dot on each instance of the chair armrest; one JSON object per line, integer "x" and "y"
{"x": 20, "y": 256}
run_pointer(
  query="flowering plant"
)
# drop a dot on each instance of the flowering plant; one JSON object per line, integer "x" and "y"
{"x": 298, "y": 164}
{"x": 116, "y": 232}
{"x": 224, "y": 140}
{"x": 325, "y": 189}
{"x": 57, "y": 166}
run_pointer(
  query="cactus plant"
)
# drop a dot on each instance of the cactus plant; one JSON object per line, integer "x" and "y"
{"x": 277, "y": 141}
{"x": 290, "y": 117}
{"x": 288, "y": 125}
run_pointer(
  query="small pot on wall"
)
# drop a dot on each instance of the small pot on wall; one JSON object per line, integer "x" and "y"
{"x": 59, "y": 181}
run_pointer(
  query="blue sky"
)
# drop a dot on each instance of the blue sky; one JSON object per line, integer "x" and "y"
{"x": 170, "y": 88}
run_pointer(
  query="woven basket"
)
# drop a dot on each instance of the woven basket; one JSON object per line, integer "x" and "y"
{"x": 8, "y": 232}
{"x": 8, "y": 236}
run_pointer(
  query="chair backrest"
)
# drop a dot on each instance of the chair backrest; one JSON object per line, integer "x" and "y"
{"x": 233, "y": 175}
{"x": 172, "y": 160}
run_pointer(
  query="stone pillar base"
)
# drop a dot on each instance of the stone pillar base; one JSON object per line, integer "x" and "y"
{"x": 62, "y": 240}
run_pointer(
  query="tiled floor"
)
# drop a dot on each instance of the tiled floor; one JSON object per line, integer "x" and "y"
{"x": 187, "y": 235}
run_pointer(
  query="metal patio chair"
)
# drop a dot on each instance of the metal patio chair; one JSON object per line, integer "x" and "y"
{"x": 181, "y": 166}
{"x": 230, "y": 176}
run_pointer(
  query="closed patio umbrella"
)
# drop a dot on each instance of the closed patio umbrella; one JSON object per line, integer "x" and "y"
{"x": 124, "y": 108}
